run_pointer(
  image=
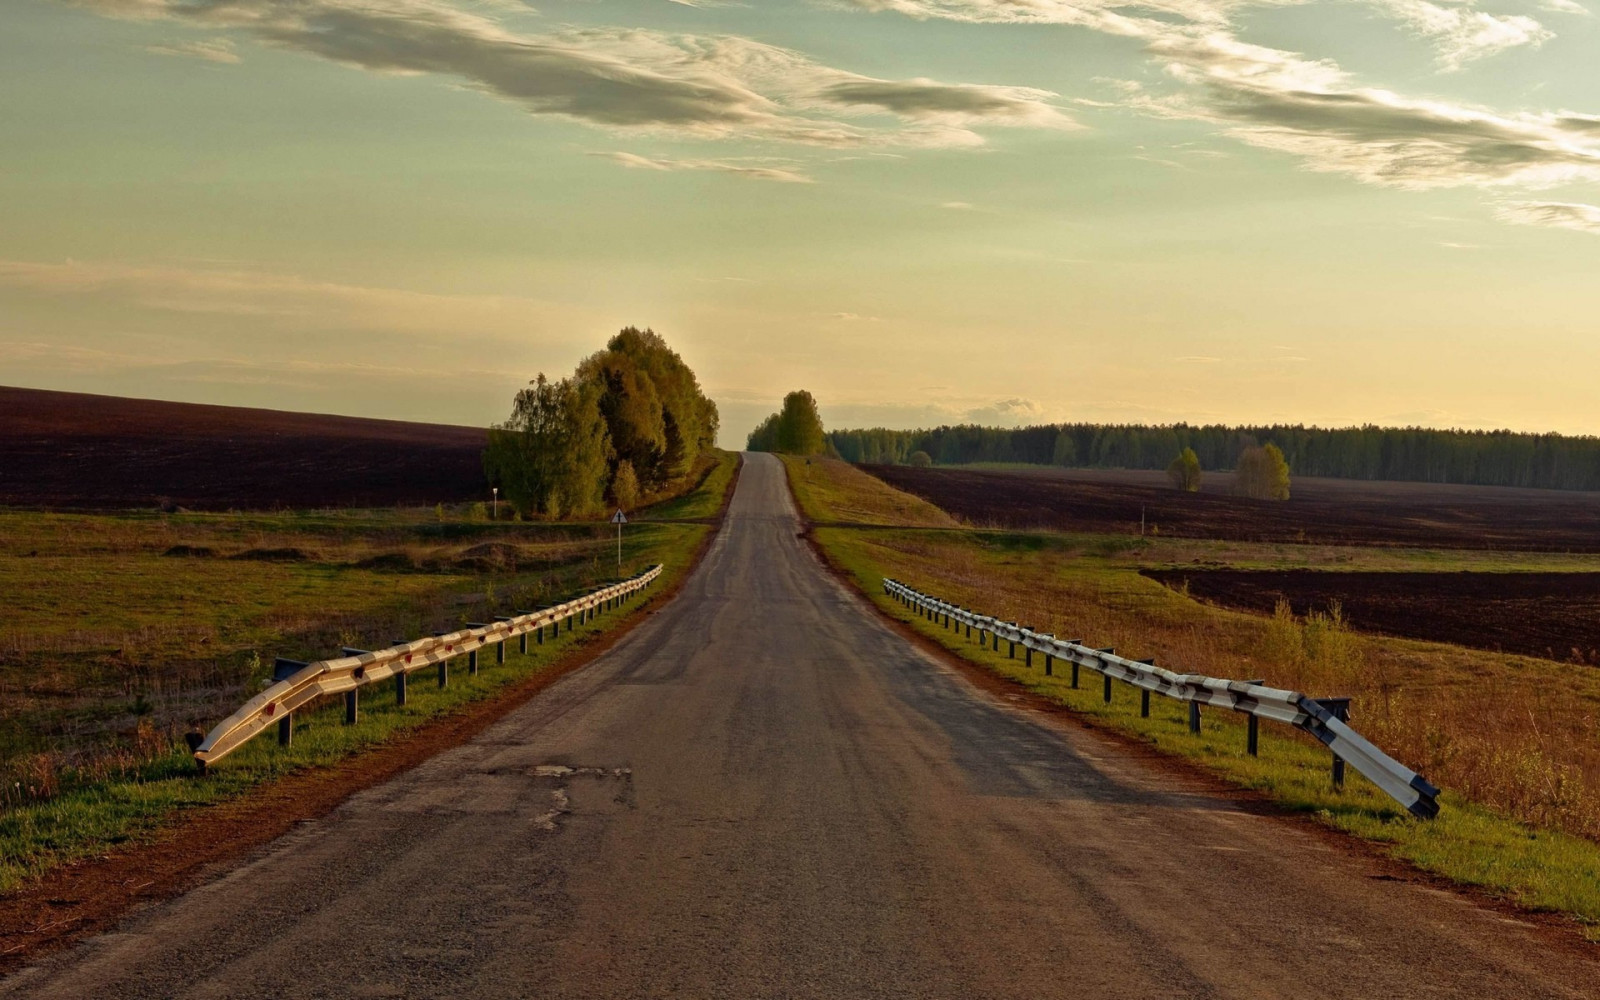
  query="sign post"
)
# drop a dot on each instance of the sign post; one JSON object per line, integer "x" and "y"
{"x": 619, "y": 519}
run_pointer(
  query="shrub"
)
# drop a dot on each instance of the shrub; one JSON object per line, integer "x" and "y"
{"x": 1262, "y": 473}
{"x": 920, "y": 459}
{"x": 1185, "y": 471}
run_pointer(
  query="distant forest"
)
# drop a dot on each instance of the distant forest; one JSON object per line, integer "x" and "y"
{"x": 1489, "y": 458}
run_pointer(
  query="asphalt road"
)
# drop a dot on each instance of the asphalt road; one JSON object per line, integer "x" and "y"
{"x": 764, "y": 792}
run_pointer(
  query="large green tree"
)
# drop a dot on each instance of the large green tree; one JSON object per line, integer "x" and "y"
{"x": 550, "y": 457}
{"x": 660, "y": 421}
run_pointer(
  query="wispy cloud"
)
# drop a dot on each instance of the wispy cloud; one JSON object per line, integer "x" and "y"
{"x": 1463, "y": 34}
{"x": 217, "y": 50}
{"x": 1558, "y": 214}
{"x": 1565, "y": 7}
{"x": 751, "y": 171}
{"x": 957, "y": 206}
{"x": 1313, "y": 109}
{"x": 704, "y": 86}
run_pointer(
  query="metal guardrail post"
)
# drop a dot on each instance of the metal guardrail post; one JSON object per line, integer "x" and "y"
{"x": 472, "y": 657}
{"x": 444, "y": 666}
{"x": 282, "y": 668}
{"x": 352, "y": 699}
{"x": 399, "y": 680}
{"x": 1340, "y": 709}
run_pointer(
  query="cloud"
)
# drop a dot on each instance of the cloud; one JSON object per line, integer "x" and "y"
{"x": 217, "y": 50}
{"x": 958, "y": 206}
{"x": 1559, "y": 214}
{"x": 702, "y": 86}
{"x": 1005, "y": 413}
{"x": 753, "y": 172}
{"x": 1311, "y": 108}
{"x": 961, "y": 103}
{"x": 1565, "y": 7}
{"x": 1463, "y": 34}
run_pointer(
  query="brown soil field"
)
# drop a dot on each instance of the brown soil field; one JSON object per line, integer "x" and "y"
{"x": 1326, "y": 511}
{"x": 1551, "y": 615}
{"x": 74, "y": 451}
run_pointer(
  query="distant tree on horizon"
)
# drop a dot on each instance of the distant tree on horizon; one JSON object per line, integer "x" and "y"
{"x": 1262, "y": 473}
{"x": 1185, "y": 471}
{"x": 796, "y": 429}
{"x": 919, "y": 460}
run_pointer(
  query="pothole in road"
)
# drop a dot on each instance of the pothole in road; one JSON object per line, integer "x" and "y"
{"x": 561, "y": 799}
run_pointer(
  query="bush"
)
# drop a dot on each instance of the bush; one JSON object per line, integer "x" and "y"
{"x": 1263, "y": 473}
{"x": 1185, "y": 471}
{"x": 919, "y": 460}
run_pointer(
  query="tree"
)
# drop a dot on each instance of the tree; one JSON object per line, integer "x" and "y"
{"x": 1185, "y": 471}
{"x": 800, "y": 425}
{"x": 550, "y": 456}
{"x": 1262, "y": 473}
{"x": 795, "y": 430}
{"x": 625, "y": 486}
{"x": 919, "y": 460}
{"x": 765, "y": 436}
{"x": 1065, "y": 450}
{"x": 660, "y": 421}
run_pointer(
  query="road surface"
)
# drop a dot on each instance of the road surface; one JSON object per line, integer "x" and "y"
{"x": 764, "y": 792}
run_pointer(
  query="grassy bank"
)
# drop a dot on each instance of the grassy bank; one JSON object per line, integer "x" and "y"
{"x": 119, "y": 647}
{"x": 1512, "y": 739}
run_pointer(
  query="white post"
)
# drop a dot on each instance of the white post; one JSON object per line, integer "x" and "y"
{"x": 496, "y": 515}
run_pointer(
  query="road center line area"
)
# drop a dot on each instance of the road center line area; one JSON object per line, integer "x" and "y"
{"x": 764, "y": 791}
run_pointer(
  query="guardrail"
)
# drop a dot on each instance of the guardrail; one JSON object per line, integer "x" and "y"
{"x": 296, "y": 683}
{"x": 1326, "y": 718}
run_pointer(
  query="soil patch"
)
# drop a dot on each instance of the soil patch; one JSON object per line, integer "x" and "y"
{"x": 1551, "y": 615}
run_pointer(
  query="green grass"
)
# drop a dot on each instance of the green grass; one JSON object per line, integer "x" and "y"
{"x": 126, "y": 782}
{"x": 1519, "y": 799}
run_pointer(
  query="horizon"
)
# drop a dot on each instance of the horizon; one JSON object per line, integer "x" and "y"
{"x": 926, "y": 212}
{"x": 738, "y": 446}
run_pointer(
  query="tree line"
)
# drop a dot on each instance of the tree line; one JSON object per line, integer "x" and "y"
{"x": 1490, "y": 458}
{"x": 627, "y": 423}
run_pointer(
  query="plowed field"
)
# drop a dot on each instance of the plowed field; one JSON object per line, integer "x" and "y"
{"x": 1327, "y": 511}
{"x": 1552, "y": 615}
{"x": 74, "y": 451}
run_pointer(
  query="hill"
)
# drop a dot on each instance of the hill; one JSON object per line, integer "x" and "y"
{"x": 79, "y": 451}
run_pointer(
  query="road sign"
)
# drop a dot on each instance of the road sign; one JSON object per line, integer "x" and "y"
{"x": 619, "y": 518}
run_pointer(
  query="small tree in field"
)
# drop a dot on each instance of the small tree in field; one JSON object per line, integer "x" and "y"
{"x": 919, "y": 460}
{"x": 1185, "y": 471}
{"x": 625, "y": 486}
{"x": 1263, "y": 473}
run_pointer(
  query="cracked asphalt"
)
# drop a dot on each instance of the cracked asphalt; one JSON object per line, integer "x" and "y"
{"x": 763, "y": 791}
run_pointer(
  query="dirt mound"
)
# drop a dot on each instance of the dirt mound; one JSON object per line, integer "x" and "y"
{"x": 76, "y": 451}
{"x": 1552, "y": 615}
{"x": 198, "y": 551}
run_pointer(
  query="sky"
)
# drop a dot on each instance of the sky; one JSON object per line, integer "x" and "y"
{"x": 923, "y": 211}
